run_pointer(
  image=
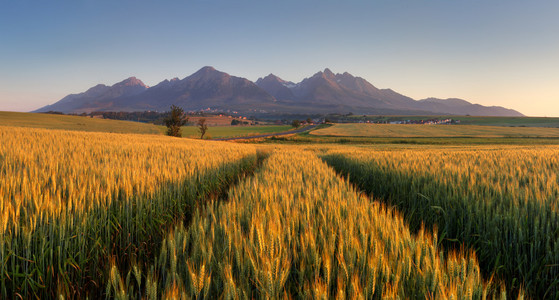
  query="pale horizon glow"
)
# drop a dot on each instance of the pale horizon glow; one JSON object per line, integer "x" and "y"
{"x": 486, "y": 52}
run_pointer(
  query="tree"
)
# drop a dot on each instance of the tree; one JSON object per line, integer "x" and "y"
{"x": 296, "y": 123}
{"x": 175, "y": 120}
{"x": 202, "y": 127}
{"x": 309, "y": 120}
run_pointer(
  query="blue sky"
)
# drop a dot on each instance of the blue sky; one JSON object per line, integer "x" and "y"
{"x": 489, "y": 52}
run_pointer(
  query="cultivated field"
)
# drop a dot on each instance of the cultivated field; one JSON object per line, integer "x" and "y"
{"x": 75, "y": 123}
{"x": 234, "y": 131}
{"x": 219, "y": 127}
{"x": 71, "y": 202}
{"x": 103, "y": 215}
{"x": 470, "y": 120}
{"x": 296, "y": 230}
{"x": 501, "y": 201}
{"x": 433, "y": 131}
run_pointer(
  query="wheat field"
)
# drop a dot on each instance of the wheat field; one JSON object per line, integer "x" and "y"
{"x": 318, "y": 238}
{"x": 501, "y": 201}
{"x": 101, "y": 215}
{"x": 69, "y": 201}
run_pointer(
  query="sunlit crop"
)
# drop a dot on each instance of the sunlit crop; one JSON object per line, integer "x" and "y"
{"x": 90, "y": 215}
{"x": 500, "y": 201}
{"x": 296, "y": 230}
{"x": 69, "y": 201}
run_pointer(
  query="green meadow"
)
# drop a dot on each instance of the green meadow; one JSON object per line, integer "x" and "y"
{"x": 408, "y": 130}
{"x": 76, "y": 123}
{"x": 234, "y": 131}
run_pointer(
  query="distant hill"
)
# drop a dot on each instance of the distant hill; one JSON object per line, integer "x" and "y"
{"x": 324, "y": 92}
{"x": 76, "y": 123}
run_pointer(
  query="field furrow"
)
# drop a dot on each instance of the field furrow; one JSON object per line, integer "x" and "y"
{"x": 72, "y": 201}
{"x": 296, "y": 230}
{"x": 501, "y": 202}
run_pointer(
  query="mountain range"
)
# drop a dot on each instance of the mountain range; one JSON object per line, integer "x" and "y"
{"x": 208, "y": 88}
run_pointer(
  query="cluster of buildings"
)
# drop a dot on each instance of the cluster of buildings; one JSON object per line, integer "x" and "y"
{"x": 422, "y": 122}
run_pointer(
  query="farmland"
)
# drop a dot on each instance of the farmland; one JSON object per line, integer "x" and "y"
{"x": 434, "y": 131}
{"x": 468, "y": 120}
{"x": 219, "y": 127}
{"x": 500, "y": 201}
{"x": 70, "y": 201}
{"x": 74, "y": 123}
{"x": 97, "y": 214}
{"x": 235, "y": 131}
{"x": 316, "y": 239}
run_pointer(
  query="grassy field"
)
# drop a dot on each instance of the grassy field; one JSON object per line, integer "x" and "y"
{"x": 234, "y": 131}
{"x": 471, "y": 120}
{"x": 218, "y": 126}
{"x": 434, "y": 131}
{"x": 76, "y": 123}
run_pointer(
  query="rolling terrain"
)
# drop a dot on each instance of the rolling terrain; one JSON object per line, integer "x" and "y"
{"x": 218, "y": 126}
{"x": 77, "y": 123}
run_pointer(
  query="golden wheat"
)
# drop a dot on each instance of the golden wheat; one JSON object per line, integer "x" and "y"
{"x": 296, "y": 230}
{"x": 70, "y": 200}
{"x": 501, "y": 201}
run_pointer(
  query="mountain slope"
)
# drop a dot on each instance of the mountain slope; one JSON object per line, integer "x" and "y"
{"x": 207, "y": 88}
{"x": 277, "y": 87}
{"x": 99, "y": 97}
{"x": 458, "y": 106}
{"x": 324, "y": 92}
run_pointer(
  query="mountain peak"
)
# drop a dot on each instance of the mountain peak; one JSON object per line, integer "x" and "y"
{"x": 328, "y": 73}
{"x": 97, "y": 88}
{"x": 269, "y": 78}
{"x": 324, "y": 92}
{"x": 208, "y": 72}
{"x": 131, "y": 81}
{"x": 207, "y": 69}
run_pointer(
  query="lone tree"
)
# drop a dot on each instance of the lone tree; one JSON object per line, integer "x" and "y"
{"x": 202, "y": 127}
{"x": 296, "y": 123}
{"x": 175, "y": 120}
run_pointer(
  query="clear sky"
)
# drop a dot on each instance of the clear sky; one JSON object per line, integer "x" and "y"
{"x": 488, "y": 52}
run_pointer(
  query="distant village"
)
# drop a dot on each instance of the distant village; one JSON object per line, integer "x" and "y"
{"x": 237, "y": 119}
{"x": 422, "y": 122}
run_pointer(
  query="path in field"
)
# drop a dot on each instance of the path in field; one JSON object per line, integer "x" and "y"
{"x": 300, "y": 130}
{"x": 295, "y": 229}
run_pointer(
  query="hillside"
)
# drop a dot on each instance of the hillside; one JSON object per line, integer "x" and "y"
{"x": 75, "y": 123}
